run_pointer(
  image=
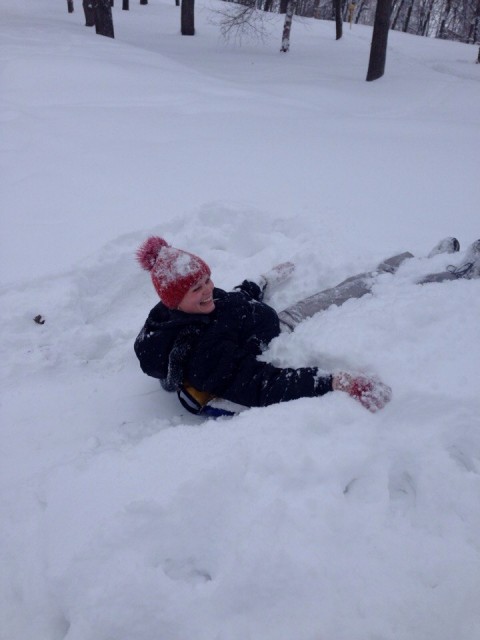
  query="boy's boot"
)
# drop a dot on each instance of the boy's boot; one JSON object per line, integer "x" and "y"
{"x": 447, "y": 245}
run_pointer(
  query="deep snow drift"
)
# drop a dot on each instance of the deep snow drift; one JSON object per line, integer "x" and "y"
{"x": 124, "y": 518}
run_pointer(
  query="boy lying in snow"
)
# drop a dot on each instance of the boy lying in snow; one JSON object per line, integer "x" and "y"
{"x": 203, "y": 342}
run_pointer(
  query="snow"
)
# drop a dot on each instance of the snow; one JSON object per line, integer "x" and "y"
{"x": 124, "y": 517}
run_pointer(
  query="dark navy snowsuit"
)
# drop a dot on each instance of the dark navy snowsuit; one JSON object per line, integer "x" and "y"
{"x": 217, "y": 352}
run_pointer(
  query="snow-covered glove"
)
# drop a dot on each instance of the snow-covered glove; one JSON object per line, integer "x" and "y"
{"x": 277, "y": 275}
{"x": 370, "y": 392}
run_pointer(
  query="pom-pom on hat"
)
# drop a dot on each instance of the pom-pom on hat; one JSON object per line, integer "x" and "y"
{"x": 173, "y": 271}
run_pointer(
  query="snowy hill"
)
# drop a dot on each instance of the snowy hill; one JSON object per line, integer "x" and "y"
{"x": 123, "y": 517}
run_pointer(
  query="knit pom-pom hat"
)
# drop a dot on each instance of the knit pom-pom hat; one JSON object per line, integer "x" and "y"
{"x": 173, "y": 271}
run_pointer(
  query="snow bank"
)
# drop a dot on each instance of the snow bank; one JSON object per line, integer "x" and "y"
{"x": 123, "y": 517}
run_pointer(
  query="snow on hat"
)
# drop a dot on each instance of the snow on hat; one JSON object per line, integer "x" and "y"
{"x": 173, "y": 271}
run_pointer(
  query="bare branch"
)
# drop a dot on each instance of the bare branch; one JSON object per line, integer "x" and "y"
{"x": 241, "y": 21}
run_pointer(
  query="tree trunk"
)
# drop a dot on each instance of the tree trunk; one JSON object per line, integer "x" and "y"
{"x": 446, "y": 12}
{"x": 478, "y": 59}
{"x": 474, "y": 34}
{"x": 177, "y": 3}
{"x": 89, "y": 12}
{"x": 267, "y": 6}
{"x": 287, "y": 27}
{"x": 126, "y": 5}
{"x": 187, "y": 18}
{"x": 359, "y": 12}
{"x": 425, "y": 24}
{"x": 407, "y": 18}
{"x": 70, "y": 6}
{"x": 378, "y": 49}
{"x": 397, "y": 14}
{"x": 283, "y": 6}
{"x": 425, "y": 15}
{"x": 338, "y": 19}
{"x": 143, "y": 1}
{"x": 103, "y": 18}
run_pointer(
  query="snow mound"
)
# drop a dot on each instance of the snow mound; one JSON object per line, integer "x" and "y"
{"x": 122, "y": 516}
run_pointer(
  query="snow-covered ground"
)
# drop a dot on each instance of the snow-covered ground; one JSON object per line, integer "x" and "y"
{"x": 122, "y": 517}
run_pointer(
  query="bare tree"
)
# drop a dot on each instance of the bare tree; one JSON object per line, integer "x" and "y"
{"x": 187, "y": 18}
{"x": 242, "y": 20}
{"x": 449, "y": 19}
{"x": 337, "y": 4}
{"x": 103, "y": 18}
{"x": 89, "y": 11}
{"x": 363, "y": 7}
{"x": 445, "y": 16}
{"x": 287, "y": 26}
{"x": 378, "y": 49}
{"x": 126, "y": 5}
{"x": 474, "y": 31}
{"x": 397, "y": 8}
{"x": 406, "y": 22}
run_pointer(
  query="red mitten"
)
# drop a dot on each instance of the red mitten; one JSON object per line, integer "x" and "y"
{"x": 369, "y": 391}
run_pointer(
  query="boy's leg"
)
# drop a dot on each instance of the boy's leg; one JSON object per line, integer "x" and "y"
{"x": 469, "y": 269}
{"x": 357, "y": 286}
{"x": 447, "y": 245}
{"x": 439, "y": 277}
{"x": 392, "y": 264}
{"x": 353, "y": 287}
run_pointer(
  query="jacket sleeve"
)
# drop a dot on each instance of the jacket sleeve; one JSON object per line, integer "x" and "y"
{"x": 149, "y": 349}
{"x": 230, "y": 372}
{"x": 163, "y": 354}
